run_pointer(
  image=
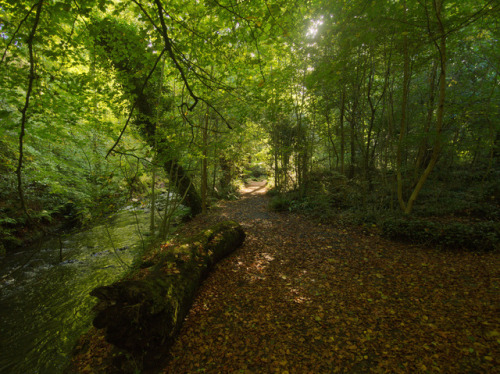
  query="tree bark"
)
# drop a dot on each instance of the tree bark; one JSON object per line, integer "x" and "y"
{"x": 107, "y": 34}
{"x": 24, "y": 117}
{"x": 143, "y": 316}
{"x": 342, "y": 135}
{"x": 422, "y": 150}
{"x": 204, "y": 163}
{"x": 402, "y": 129}
{"x": 441, "y": 47}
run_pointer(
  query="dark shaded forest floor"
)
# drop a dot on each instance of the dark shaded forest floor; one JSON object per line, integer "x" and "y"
{"x": 304, "y": 297}
{"x": 301, "y": 297}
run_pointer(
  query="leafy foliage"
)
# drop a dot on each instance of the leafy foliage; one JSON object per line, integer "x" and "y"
{"x": 480, "y": 236}
{"x": 279, "y": 203}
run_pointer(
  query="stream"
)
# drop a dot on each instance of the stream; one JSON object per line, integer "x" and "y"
{"x": 45, "y": 306}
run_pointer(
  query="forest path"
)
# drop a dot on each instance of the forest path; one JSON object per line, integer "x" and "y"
{"x": 301, "y": 297}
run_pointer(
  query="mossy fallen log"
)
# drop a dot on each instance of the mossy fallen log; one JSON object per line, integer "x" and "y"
{"x": 142, "y": 316}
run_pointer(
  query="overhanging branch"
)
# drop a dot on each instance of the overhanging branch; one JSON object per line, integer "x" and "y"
{"x": 17, "y": 30}
{"x": 168, "y": 47}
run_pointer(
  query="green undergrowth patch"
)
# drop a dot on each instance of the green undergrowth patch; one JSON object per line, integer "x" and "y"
{"x": 479, "y": 236}
{"x": 473, "y": 228}
{"x": 280, "y": 203}
{"x": 321, "y": 206}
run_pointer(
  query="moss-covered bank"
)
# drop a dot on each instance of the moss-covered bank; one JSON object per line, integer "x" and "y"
{"x": 142, "y": 314}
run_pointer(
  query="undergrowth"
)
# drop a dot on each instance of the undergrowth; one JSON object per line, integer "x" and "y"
{"x": 458, "y": 211}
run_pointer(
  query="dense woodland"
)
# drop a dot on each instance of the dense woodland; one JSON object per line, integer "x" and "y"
{"x": 381, "y": 113}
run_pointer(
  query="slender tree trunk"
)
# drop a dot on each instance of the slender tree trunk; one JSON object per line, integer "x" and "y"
{"x": 430, "y": 111}
{"x": 402, "y": 127}
{"x": 342, "y": 134}
{"x": 352, "y": 136}
{"x": 390, "y": 142}
{"x": 204, "y": 164}
{"x": 153, "y": 182}
{"x": 276, "y": 169}
{"x": 215, "y": 152}
{"x": 153, "y": 201}
{"x": 373, "y": 110}
{"x": 330, "y": 138}
{"x": 440, "y": 109}
{"x": 24, "y": 117}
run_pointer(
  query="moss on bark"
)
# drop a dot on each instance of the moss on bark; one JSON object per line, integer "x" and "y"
{"x": 143, "y": 316}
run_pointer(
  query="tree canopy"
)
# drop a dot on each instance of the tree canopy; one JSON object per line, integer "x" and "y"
{"x": 341, "y": 103}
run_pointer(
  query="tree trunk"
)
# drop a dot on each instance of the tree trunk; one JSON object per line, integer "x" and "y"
{"x": 352, "y": 147}
{"x": 332, "y": 142}
{"x": 440, "y": 109}
{"x": 143, "y": 316}
{"x": 342, "y": 135}
{"x": 184, "y": 186}
{"x": 128, "y": 69}
{"x": 204, "y": 163}
{"x": 422, "y": 150}
{"x": 402, "y": 129}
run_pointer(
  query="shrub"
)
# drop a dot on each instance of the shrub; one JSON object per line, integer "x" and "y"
{"x": 254, "y": 172}
{"x": 279, "y": 203}
{"x": 272, "y": 192}
{"x": 478, "y": 236}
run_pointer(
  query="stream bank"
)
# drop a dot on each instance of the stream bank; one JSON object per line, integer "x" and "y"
{"x": 45, "y": 302}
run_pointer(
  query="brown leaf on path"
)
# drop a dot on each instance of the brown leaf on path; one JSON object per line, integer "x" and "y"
{"x": 301, "y": 297}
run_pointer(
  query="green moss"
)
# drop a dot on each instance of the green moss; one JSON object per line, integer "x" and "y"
{"x": 139, "y": 314}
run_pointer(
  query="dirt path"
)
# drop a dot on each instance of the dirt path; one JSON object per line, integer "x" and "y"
{"x": 300, "y": 297}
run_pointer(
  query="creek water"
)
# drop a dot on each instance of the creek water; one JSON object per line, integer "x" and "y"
{"x": 45, "y": 305}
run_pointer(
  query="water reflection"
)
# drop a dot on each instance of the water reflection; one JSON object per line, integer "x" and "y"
{"x": 46, "y": 305}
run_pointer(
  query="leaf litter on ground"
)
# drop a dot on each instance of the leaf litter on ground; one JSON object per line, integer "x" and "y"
{"x": 306, "y": 297}
{"x": 302, "y": 297}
